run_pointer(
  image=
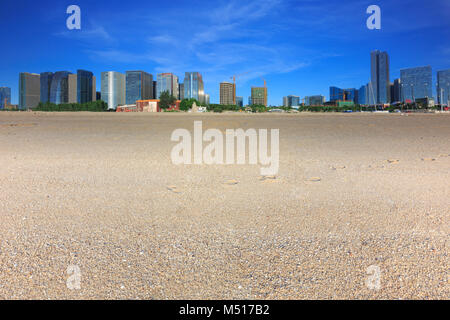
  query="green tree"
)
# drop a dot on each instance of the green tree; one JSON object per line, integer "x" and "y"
{"x": 166, "y": 100}
{"x": 186, "y": 104}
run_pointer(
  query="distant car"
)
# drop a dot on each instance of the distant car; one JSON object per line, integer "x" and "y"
{"x": 348, "y": 111}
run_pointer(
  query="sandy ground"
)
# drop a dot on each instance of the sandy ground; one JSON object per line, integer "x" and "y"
{"x": 99, "y": 191}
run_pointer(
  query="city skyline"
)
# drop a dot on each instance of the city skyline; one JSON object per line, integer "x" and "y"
{"x": 295, "y": 55}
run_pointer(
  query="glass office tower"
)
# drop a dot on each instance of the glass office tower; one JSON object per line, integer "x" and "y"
{"x": 193, "y": 86}
{"x": 443, "y": 87}
{"x": 85, "y": 86}
{"x": 46, "y": 82}
{"x": 139, "y": 86}
{"x": 362, "y": 95}
{"x": 113, "y": 89}
{"x": 379, "y": 65}
{"x": 29, "y": 90}
{"x": 5, "y": 97}
{"x": 291, "y": 101}
{"x": 416, "y": 83}
{"x": 59, "y": 88}
{"x": 167, "y": 82}
{"x": 337, "y": 94}
{"x": 318, "y": 100}
{"x": 240, "y": 101}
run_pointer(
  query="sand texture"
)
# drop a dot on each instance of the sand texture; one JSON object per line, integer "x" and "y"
{"x": 99, "y": 191}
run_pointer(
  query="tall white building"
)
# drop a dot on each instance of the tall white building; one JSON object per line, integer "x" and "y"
{"x": 113, "y": 89}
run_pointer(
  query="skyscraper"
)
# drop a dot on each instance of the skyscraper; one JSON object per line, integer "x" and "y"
{"x": 395, "y": 91}
{"x": 73, "y": 88}
{"x": 181, "y": 91}
{"x": 59, "y": 88}
{"x": 227, "y": 93}
{"x": 338, "y": 94}
{"x": 139, "y": 86}
{"x": 259, "y": 96}
{"x": 5, "y": 97}
{"x": 240, "y": 101}
{"x": 167, "y": 82}
{"x": 416, "y": 83}
{"x": 29, "y": 90}
{"x": 291, "y": 101}
{"x": 46, "y": 82}
{"x": 362, "y": 95}
{"x": 86, "y": 86}
{"x": 318, "y": 100}
{"x": 379, "y": 63}
{"x": 113, "y": 89}
{"x": 443, "y": 87}
{"x": 193, "y": 86}
{"x": 155, "y": 88}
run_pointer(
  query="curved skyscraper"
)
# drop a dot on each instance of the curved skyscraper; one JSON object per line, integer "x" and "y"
{"x": 59, "y": 89}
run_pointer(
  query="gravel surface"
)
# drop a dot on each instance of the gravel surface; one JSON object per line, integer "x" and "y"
{"x": 355, "y": 193}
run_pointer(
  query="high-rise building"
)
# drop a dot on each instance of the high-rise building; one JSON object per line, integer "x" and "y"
{"x": 155, "y": 89}
{"x": 318, "y": 100}
{"x": 395, "y": 91}
{"x": 139, "y": 86}
{"x": 240, "y": 101}
{"x": 5, "y": 97}
{"x": 181, "y": 91}
{"x": 59, "y": 88}
{"x": 194, "y": 87}
{"x": 227, "y": 93}
{"x": 259, "y": 96}
{"x": 379, "y": 65}
{"x": 86, "y": 86}
{"x": 338, "y": 94}
{"x": 362, "y": 95}
{"x": 206, "y": 99}
{"x": 167, "y": 82}
{"x": 113, "y": 89}
{"x": 29, "y": 90}
{"x": 291, "y": 101}
{"x": 443, "y": 87}
{"x": 250, "y": 101}
{"x": 416, "y": 83}
{"x": 73, "y": 88}
{"x": 46, "y": 82}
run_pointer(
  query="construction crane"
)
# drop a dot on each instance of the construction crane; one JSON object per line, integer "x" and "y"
{"x": 234, "y": 82}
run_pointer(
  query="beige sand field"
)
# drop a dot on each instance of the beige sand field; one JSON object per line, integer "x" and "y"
{"x": 99, "y": 191}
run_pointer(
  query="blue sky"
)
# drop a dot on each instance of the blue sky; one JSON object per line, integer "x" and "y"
{"x": 300, "y": 47}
